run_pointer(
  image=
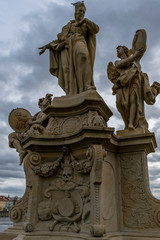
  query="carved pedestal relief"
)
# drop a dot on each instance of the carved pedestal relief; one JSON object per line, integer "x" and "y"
{"x": 140, "y": 209}
{"x": 72, "y": 185}
{"x": 71, "y": 125}
{"x": 66, "y": 200}
{"x": 66, "y": 126}
{"x": 79, "y": 191}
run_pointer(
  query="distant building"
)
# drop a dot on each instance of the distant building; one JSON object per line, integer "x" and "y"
{"x": 7, "y": 202}
{"x": 3, "y": 201}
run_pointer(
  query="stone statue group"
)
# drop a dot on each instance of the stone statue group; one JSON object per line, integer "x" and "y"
{"x": 72, "y": 57}
{"x": 83, "y": 181}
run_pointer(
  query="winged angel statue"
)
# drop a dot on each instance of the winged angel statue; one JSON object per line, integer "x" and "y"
{"x": 131, "y": 85}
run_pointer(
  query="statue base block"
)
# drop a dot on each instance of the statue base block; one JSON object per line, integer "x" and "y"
{"x": 60, "y": 236}
{"x": 83, "y": 181}
{"x": 136, "y": 131}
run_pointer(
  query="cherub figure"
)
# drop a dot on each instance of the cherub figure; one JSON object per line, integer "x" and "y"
{"x": 39, "y": 118}
{"x": 35, "y": 123}
{"x": 131, "y": 85}
{"x": 15, "y": 142}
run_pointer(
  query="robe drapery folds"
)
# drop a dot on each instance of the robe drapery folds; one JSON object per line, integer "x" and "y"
{"x": 74, "y": 76}
{"x": 133, "y": 79}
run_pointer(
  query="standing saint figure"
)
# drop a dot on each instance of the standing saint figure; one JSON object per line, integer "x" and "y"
{"x": 72, "y": 54}
{"x": 131, "y": 85}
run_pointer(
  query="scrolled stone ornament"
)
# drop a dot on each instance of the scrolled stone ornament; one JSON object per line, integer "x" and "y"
{"x": 90, "y": 153}
{"x": 28, "y": 227}
{"x": 157, "y": 217}
{"x": 15, "y": 214}
{"x": 34, "y": 158}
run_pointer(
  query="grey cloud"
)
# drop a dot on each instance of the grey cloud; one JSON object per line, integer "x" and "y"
{"x": 154, "y": 157}
{"x": 12, "y": 191}
{"x": 153, "y": 110}
{"x": 10, "y": 173}
{"x": 10, "y": 160}
{"x": 154, "y": 173}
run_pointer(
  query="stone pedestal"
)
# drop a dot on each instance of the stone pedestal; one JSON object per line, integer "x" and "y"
{"x": 83, "y": 181}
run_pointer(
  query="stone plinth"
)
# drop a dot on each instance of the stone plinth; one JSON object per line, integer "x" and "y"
{"x": 83, "y": 181}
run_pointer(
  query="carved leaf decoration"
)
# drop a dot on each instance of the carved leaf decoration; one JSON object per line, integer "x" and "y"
{"x": 46, "y": 169}
{"x": 82, "y": 166}
{"x": 112, "y": 72}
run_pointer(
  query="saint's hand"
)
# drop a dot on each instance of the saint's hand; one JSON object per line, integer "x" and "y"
{"x": 43, "y": 50}
{"x": 47, "y": 46}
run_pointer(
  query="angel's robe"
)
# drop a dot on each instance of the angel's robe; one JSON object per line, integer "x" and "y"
{"x": 133, "y": 79}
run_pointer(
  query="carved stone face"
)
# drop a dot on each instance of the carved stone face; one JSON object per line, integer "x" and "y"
{"x": 44, "y": 102}
{"x": 120, "y": 52}
{"x": 80, "y": 13}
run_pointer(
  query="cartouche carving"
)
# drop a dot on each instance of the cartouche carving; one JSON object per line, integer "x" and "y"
{"x": 67, "y": 199}
{"x": 70, "y": 125}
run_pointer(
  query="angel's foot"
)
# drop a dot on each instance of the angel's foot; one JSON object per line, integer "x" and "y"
{"x": 131, "y": 127}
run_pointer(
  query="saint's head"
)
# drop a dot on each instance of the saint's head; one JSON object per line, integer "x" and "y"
{"x": 80, "y": 10}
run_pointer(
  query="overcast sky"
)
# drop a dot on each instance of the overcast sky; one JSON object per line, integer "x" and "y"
{"x": 24, "y": 77}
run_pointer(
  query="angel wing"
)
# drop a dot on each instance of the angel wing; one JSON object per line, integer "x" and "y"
{"x": 112, "y": 72}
